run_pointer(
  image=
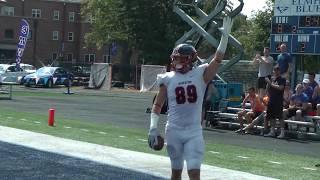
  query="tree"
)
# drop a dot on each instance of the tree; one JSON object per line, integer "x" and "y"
{"x": 254, "y": 33}
{"x": 148, "y": 26}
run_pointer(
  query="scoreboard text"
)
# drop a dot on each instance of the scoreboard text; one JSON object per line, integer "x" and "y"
{"x": 300, "y": 33}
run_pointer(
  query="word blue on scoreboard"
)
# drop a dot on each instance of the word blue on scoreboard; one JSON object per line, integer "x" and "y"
{"x": 300, "y": 33}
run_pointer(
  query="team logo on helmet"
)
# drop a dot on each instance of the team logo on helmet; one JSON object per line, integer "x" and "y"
{"x": 182, "y": 57}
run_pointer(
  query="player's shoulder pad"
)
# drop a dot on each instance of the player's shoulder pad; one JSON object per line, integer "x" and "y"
{"x": 162, "y": 79}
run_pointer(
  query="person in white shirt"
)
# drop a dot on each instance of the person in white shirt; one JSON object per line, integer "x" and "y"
{"x": 265, "y": 70}
{"x": 184, "y": 89}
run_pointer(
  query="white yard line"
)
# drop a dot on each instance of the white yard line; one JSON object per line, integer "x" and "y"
{"x": 275, "y": 162}
{"x": 243, "y": 157}
{"x": 137, "y": 161}
{"x": 101, "y": 132}
{"x": 214, "y": 152}
{"x": 143, "y": 140}
{"x": 311, "y": 169}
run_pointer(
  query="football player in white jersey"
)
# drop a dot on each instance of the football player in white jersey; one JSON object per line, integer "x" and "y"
{"x": 184, "y": 88}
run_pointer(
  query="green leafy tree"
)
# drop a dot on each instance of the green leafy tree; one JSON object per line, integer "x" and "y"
{"x": 254, "y": 32}
{"x": 150, "y": 27}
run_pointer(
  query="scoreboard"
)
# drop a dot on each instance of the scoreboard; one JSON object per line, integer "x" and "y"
{"x": 300, "y": 33}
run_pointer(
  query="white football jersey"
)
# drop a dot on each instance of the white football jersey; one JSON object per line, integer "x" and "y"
{"x": 185, "y": 94}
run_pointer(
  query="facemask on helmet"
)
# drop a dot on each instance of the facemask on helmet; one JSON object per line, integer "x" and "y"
{"x": 182, "y": 57}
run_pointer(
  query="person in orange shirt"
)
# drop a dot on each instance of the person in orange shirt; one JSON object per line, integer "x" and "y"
{"x": 257, "y": 108}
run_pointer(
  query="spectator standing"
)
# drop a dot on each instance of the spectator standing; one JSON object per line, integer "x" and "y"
{"x": 312, "y": 82}
{"x": 284, "y": 61}
{"x": 265, "y": 70}
{"x": 275, "y": 105}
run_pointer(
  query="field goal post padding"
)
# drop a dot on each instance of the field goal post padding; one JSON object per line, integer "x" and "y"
{"x": 149, "y": 77}
{"x": 100, "y": 76}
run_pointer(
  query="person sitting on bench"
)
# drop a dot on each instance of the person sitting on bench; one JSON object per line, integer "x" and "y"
{"x": 298, "y": 105}
{"x": 257, "y": 107}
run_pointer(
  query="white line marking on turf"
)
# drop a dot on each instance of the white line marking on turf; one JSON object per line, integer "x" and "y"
{"x": 122, "y": 136}
{"x": 37, "y": 122}
{"x": 144, "y": 140}
{"x": 243, "y": 157}
{"x": 85, "y": 130}
{"x": 101, "y": 132}
{"x": 23, "y": 119}
{"x": 274, "y": 162}
{"x": 306, "y": 168}
{"x": 67, "y": 127}
{"x": 214, "y": 152}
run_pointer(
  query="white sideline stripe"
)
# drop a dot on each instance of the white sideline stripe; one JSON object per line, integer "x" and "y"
{"x": 143, "y": 140}
{"x": 243, "y": 157}
{"x": 85, "y": 130}
{"x": 101, "y": 132}
{"x": 67, "y": 127}
{"x": 306, "y": 168}
{"x": 137, "y": 161}
{"x": 23, "y": 119}
{"x": 214, "y": 152}
{"x": 121, "y": 136}
{"x": 274, "y": 162}
{"x": 37, "y": 122}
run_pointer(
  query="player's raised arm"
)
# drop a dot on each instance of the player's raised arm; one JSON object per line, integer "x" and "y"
{"x": 212, "y": 69}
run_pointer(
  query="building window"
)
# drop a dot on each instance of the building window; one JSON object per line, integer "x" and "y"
{"x": 56, "y": 15}
{"x": 55, "y": 35}
{"x": 70, "y": 36}
{"x": 69, "y": 57}
{"x": 7, "y": 11}
{"x": 54, "y": 56}
{"x": 8, "y": 34}
{"x": 90, "y": 58}
{"x": 71, "y": 16}
{"x": 36, "y": 13}
{"x": 30, "y": 35}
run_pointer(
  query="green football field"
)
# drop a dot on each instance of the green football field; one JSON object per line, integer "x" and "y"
{"x": 266, "y": 163}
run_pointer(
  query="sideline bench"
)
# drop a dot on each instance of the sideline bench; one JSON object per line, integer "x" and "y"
{"x": 231, "y": 119}
{"x": 6, "y": 90}
{"x": 310, "y": 121}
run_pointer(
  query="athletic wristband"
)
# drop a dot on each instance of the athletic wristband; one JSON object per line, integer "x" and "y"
{"x": 223, "y": 44}
{"x": 154, "y": 118}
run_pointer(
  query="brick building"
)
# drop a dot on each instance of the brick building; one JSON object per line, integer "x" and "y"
{"x": 57, "y": 32}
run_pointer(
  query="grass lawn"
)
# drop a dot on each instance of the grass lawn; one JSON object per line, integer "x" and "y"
{"x": 251, "y": 160}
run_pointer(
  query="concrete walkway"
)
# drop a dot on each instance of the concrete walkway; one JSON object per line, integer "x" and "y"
{"x": 137, "y": 161}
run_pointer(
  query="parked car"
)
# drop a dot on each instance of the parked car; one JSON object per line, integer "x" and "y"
{"x": 48, "y": 77}
{"x": 27, "y": 67}
{"x": 81, "y": 75}
{"x": 10, "y": 74}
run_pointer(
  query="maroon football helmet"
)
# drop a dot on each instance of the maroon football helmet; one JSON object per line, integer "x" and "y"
{"x": 182, "y": 57}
